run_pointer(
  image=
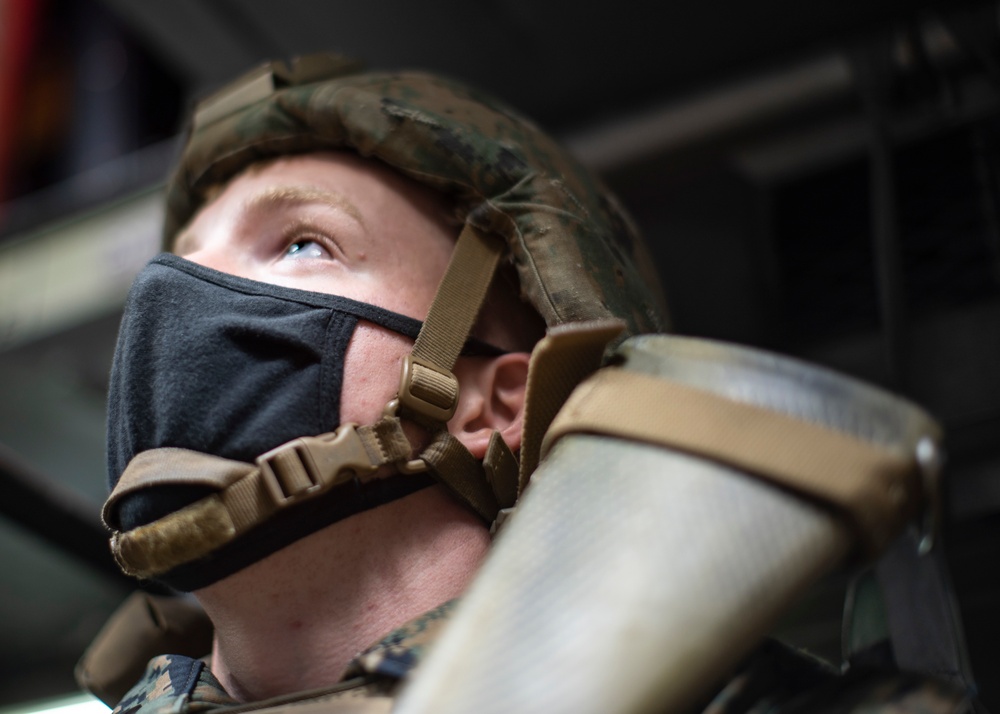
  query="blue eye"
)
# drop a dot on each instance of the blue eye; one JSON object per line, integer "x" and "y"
{"x": 306, "y": 249}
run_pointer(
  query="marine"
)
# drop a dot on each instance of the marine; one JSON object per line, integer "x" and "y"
{"x": 391, "y": 324}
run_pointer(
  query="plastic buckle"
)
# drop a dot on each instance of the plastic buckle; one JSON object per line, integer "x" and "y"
{"x": 417, "y": 404}
{"x": 307, "y": 466}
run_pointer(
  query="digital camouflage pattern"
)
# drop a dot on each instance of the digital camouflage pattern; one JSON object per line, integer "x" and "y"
{"x": 173, "y": 684}
{"x": 774, "y": 680}
{"x": 399, "y": 652}
{"x": 577, "y": 254}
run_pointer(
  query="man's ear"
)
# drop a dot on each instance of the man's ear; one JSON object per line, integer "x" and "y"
{"x": 491, "y": 399}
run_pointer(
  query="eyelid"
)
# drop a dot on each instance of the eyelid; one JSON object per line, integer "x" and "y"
{"x": 300, "y": 229}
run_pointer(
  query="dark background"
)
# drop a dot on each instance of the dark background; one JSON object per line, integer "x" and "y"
{"x": 814, "y": 178}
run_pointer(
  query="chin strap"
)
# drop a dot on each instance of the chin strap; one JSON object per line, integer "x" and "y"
{"x": 248, "y": 495}
{"x": 428, "y": 391}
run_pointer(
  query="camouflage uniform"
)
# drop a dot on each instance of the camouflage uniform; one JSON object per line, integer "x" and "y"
{"x": 178, "y": 685}
{"x": 775, "y": 679}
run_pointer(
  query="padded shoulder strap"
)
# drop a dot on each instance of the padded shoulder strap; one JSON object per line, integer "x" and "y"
{"x": 878, "y": 488}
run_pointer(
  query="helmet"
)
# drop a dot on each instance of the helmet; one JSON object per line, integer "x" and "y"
{"x": 523, "y": 200}
{"x": 578, "y": 255}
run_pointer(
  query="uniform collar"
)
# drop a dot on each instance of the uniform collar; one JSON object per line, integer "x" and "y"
{"x": 401, "y": 650}
{"x": 173, "y": 684}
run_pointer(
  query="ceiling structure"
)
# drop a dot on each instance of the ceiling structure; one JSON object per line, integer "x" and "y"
{"x": 816, "y": 178}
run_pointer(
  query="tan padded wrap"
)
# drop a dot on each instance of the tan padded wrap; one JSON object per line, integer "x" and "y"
{"x": 173, "y": 467}
{"x": 185, "y": 535}
{"x": 878, "y": 488}
{"x": 560, "y": 361}
{"x": 244, "y": 499}
{"x": 454, "y": 466}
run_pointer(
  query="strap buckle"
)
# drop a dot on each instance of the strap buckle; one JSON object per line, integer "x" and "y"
{"x": 427, "y": 390}
{"x": 307, "y": 466}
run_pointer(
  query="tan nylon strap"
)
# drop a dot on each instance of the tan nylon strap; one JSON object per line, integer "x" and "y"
{"x": 458, "y": 470}
{"x": 560, "y": 361}
{"x": 248, "y": 502}
{"x": 459, "y": 297}
{"x": 427, "y": 388}
{"x": 385, "y": 440}
{"x": 500, "y": 466}
{"x": 878, "y": 488}
{"x": 247, "y": 494}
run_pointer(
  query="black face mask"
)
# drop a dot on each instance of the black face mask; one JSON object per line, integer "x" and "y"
{"x": 230, "y": 367}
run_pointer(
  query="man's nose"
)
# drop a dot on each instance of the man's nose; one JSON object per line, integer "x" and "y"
{"x": 222, "y": 259}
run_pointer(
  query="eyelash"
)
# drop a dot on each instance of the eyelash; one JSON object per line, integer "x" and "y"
{"x": 305, "y": 234}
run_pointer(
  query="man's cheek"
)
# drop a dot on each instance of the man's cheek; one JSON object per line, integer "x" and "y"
{"x": 371, "y": 373}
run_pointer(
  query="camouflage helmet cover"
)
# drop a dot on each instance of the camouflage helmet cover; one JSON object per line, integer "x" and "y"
{"x": 577, "y": 254}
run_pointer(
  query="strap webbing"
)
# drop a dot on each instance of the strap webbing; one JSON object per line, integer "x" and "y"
{"x": 500, "y": 466}
{"x": 427, "y": 389}
{"x": 877, "y": 488}
{"x": 247, "y": 495}
{"x": 455, "y": 467}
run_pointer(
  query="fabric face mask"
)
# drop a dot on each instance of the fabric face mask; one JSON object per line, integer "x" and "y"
{"x": 230, "y": 367}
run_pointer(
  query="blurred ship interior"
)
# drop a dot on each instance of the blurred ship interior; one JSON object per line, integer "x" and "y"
{"x": 818, "y": 179}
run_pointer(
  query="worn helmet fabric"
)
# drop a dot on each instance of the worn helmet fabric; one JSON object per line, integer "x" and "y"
{"x": 577, "y": 254}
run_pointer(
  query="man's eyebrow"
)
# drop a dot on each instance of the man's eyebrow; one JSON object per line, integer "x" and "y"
{"x": 274, "y": 198}
{"x": 297, "y": 195}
